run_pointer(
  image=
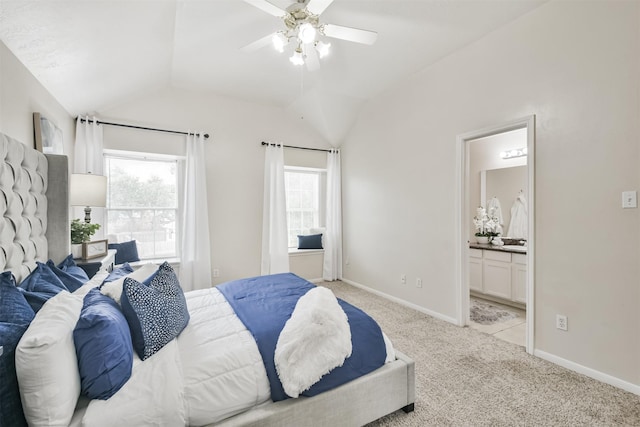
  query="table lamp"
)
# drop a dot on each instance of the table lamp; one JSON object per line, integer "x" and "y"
{"x": 88, "y": 190}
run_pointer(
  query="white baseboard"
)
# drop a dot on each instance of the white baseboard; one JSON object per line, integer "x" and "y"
{"x": 402, "y": 302}
{"x": 316, "y": 280}
{"x": 589, "y": 372}
{"x": 592, "y": 373}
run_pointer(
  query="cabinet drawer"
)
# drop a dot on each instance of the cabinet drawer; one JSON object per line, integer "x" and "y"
{"x": 497, "y": 256}
{"x": 519, "y": 258}
{"x": 475, "y": 253}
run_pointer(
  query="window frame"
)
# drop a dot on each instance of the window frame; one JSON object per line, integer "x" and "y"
{"x": 322, "y": 194}
{"x": 179, "y": 209}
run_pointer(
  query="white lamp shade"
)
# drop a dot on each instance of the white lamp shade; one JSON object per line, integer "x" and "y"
{"x": 86, "y": 189}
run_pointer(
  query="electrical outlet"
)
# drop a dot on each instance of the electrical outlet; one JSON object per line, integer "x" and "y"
{"x": 418, "y": 282}
{"x": 561, "y": 322}
{"x": 216, "y": 272}
{"x": 403, "y": 279}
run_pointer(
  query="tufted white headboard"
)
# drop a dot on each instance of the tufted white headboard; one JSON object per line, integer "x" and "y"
{"x": 34, "y": 204}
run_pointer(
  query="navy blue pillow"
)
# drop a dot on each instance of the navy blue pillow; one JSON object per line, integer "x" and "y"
{"x": 156, "y": 313}
{"x": 68, "y": 265}
{"x": 311, "y": 241}
{"x": 127, "y": 251}
{"x": 70, "y": 281}
{"x": 119, "y": 272}
{"x": 41, "y": 285}
{"x": 103, "y": 346}
{"x": 15, "y": 316}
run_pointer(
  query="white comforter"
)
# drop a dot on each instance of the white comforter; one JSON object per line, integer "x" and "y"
{"x": 212, "y": 371}
{"x": 222, "y": 367}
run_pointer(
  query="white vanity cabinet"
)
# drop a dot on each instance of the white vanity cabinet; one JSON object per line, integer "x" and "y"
{"x": 498, "y": 274}
{"x": 519, "y": 278}
{"x": 475, "y": 269}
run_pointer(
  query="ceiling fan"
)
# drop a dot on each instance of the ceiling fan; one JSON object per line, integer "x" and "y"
{"x": 302, "y": 30}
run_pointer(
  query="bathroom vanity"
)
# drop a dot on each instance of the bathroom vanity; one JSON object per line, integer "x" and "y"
{"x": 498, "y": 273}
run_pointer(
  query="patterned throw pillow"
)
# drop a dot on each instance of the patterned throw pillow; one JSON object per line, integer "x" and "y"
{"x": 156, "y": 313}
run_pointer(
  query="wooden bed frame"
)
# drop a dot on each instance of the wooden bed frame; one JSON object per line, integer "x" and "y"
{"x": 358, "y": 402}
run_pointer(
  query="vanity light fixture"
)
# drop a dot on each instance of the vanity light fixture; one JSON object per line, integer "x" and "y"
{"x": 516, "y": 152}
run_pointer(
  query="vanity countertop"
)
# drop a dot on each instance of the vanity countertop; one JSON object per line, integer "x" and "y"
{"x": 491, "y": 247}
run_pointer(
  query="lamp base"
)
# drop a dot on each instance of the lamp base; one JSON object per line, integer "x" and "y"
{"x": 87, "y": 214}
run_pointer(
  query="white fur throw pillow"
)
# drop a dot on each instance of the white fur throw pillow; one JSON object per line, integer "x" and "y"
{"x": 315, "y": 340}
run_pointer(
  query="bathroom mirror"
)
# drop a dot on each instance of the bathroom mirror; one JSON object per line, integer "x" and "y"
{"x": 504, "y": 184}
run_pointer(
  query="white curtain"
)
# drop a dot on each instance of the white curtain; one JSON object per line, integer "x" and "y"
{"x": 87, "y": 152}
{"x": 275, "y": 246}
{"x": 195, "y": 256}
{"x": 332, "y": 267}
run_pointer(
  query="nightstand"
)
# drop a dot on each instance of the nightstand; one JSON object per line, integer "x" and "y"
{"x": 91, "y": 266}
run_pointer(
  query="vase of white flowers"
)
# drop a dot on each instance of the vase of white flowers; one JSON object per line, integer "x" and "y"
{"x": 487, "y": 225}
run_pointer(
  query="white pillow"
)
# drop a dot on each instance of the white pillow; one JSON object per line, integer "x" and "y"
{"x": 114, "y": 289}
{"x": 153, "y": 396}
{"x": 94, "y": 282}
{"x": 46, "y": 363}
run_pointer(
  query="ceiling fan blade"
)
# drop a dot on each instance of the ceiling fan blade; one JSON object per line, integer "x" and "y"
{"x": 311, "y": 57}
{"x": 316, "y": 7}
{"x": 258, "y": 44}
{"x": 265, "y": 6}
{"x": 350, "y": 34}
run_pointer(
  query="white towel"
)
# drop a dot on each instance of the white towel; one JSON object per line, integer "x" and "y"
{"x": 519, "y": 224}
{"x": 315, "y": 340}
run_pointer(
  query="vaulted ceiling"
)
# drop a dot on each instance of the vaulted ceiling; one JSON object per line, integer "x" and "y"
{"x": 95, "y": 54}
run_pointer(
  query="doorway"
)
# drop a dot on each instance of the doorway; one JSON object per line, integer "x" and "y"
{"x": 470, "y": 198}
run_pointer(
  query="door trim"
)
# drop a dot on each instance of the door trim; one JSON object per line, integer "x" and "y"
{"x": 463, "y": 225}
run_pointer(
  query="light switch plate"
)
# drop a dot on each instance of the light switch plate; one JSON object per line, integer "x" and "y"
{"x": 629, "y": 199}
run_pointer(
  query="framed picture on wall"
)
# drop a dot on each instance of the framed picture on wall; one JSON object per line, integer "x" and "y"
{"x": 47, "y": 136}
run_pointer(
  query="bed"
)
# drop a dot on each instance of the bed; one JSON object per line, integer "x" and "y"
{"x": 36, "y": 214}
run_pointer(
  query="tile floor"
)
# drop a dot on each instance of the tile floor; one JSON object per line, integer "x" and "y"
{"x": 513, "y": 330}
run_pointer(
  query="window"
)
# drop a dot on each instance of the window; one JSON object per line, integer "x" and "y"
{"x": 304, "y": 188}
{"x": 142, "y": 203}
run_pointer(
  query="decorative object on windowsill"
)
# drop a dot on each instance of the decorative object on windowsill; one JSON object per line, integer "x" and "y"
{"x": 487, "y": 225}
{"x": 81, "y": 233}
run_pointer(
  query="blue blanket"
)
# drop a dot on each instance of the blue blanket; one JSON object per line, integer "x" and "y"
{"x": 265, "y": 303}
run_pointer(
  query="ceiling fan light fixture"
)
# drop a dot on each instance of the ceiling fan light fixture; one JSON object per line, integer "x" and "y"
{"x": 306, "y": 33}
{"x": 323, "y": 48}
{"x": 296, "y": 58}
{"x": 279, "y": 41}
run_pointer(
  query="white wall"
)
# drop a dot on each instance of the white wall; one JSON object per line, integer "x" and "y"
{"x": 21, "y": 95}
{"x": 576, "y": 66}
{"x": 234, "y": 161}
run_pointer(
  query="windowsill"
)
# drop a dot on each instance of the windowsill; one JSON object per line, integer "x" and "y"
{"x": 174, "y": 262}
{"x": 303, "y": 252}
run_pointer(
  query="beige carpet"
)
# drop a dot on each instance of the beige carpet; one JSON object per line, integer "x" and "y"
{"x": 467, "y": 378}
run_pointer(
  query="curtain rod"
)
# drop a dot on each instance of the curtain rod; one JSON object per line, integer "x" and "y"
{"x": 100, "y": 122}
{"x": 298, "y": 148}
